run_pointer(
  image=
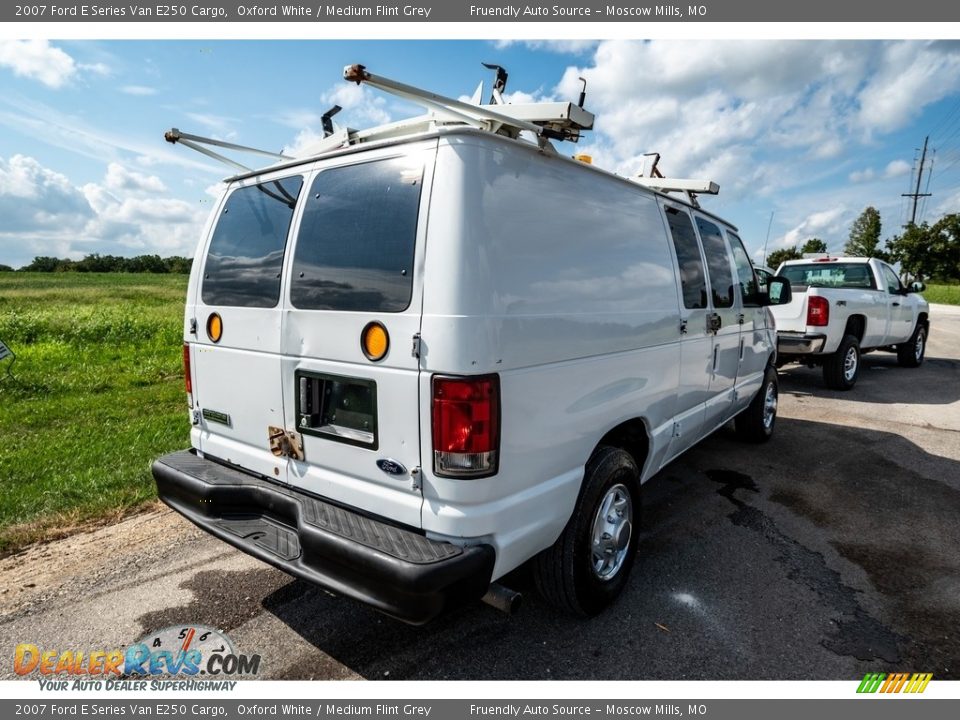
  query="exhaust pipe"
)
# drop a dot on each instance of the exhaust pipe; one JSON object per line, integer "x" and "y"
{"x": 503, "y": 598}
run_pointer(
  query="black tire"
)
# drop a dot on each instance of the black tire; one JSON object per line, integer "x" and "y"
{"x": 911, "y": 353}
{"x": 756, "y": 423}
{"x": 837, "y": 373}
{"x": 564, "y": 573}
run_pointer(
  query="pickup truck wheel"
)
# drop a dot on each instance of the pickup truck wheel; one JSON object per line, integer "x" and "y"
{"x": 755, "y": 424}
{"x": 910, "y": 354}
{"x": 587, "y": 567}
{"x": 841, "y": 369}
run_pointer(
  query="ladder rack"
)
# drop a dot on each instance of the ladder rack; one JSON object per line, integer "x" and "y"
{"x": 197, "y": 142}
{"x": 555, "y": 120}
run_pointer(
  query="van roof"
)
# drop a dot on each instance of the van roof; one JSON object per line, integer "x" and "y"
{"x": 452, "y": 130}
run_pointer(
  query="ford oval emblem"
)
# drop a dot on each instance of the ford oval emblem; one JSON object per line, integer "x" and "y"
{"x": 391, "y": 467}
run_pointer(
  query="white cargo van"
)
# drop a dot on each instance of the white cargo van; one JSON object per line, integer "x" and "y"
{"x": 421, "y": 356}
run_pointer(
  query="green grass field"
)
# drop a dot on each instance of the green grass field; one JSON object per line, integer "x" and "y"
{"x": 97, "y": 394}
{"x": 944, "y": 294}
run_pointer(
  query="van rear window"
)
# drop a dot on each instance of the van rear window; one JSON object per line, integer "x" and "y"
{"x": 356, "y": 240}
{"x": 245, "y": 258}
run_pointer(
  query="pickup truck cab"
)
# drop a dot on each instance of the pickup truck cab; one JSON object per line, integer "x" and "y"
{"x": 422, "y": 355}
{"x": 842, "y": 307}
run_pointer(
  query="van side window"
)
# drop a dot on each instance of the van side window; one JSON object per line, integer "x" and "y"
{"x": 245, "y": 258}
{"x": 745, "y": 274}
{"x": 356, "y": 241}
{"x": 692, "y": 279}
{"x": 718, "y": 264}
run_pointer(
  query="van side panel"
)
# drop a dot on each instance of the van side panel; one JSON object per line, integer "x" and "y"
{"x": 561, "y": 280}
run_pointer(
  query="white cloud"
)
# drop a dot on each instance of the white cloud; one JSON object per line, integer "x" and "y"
{"x": 865, "y": 175}
{"x": 45, "y": 214}
{"x": 96, "y": 68}
{"x": 141, "y": 90}
{"x": 824, "y": 222}
{"x": 909, "y": 76}
{"x": 34, "y": 198}
{"x": 565, "y": 47}
{"x": 61, "y": 130}
{"x": 119, "y": 178}
{"x": 38, "y": 60}
{"x": 220, "y": 125}
{"x": 897, "y": 168}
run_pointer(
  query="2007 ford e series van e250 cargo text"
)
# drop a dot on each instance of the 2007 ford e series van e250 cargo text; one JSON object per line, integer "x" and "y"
{"x": 426, "y": 353}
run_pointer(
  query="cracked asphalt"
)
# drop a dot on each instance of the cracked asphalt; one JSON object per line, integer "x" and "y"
{"x": 830, "y": 552}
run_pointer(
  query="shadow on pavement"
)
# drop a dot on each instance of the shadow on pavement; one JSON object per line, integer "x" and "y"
{"x": 825, "y": 554}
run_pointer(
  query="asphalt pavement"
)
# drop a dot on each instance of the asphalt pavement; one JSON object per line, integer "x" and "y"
{"x": 825, "y": 554}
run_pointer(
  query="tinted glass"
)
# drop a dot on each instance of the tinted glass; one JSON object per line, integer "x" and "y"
{"x": 245, "y": 258}
{"x": 840, "y": 275}
{"x": 745, "y": 273}
{"x": 356, "y": 241}
{"x": 893, "y": 282}
{"x": 692, "y": 279}
{"x": 718, "y": 264}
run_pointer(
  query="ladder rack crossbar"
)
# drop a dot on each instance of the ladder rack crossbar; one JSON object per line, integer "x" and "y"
{"x": 463, "y": 111}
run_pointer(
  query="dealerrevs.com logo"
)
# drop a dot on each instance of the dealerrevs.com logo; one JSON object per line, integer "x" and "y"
{"x": 911, "y": 683}
{"x": 178, "y": 650}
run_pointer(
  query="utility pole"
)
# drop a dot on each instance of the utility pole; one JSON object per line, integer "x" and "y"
{"x": 769, "y": 225}
{"x": 916, "y": 194}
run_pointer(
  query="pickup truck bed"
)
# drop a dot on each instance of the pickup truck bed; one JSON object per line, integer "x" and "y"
{"x": 844, "y": 306}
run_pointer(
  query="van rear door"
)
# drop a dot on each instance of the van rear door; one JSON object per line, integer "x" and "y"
{"x": 355, "y": 269}
{"x": 235, "y": 351}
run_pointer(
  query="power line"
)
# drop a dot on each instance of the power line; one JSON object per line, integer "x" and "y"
{"x": 947, "y": 120}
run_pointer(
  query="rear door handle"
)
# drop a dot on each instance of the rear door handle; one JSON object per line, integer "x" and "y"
{"x": 713, "y": 322}
{"x": 896, "y": 304}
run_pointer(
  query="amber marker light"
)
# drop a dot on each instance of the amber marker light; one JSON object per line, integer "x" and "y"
{"x": 374, "y": 341}
{"x": 214, "y": 327}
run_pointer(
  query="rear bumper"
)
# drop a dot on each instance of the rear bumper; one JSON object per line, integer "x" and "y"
{"x": 397, "y": 571}
{"x": 799, "y": 343}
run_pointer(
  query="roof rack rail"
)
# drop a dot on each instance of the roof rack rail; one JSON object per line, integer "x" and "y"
{"x": 197, "y": 142}
{"x": 656, "y": 181}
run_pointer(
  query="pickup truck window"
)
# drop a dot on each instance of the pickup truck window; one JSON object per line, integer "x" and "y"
{"x": 745, "y": 272}
{"x": 245, "y": 258}
{"x": 355, "y": 245}
{"x": 830, "y": 275}
{"x": 718, "y": 264}
{"x": 893, "y": 282}
{"x": 692, "y": 279}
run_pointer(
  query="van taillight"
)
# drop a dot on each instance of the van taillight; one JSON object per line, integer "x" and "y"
{"x": 188, "y": 381}
{"x": 818, "y": 310}
{"x": 466, "y": 426}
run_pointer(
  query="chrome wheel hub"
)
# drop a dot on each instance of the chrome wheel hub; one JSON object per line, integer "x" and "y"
{"x": 770, "y": 406}
{"x": 850, "y": 362}
{"x": 612, "y": 528}
{"x": 918, "y": 346}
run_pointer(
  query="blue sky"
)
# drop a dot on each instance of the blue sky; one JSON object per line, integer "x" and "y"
{"x": 812, "y": 131}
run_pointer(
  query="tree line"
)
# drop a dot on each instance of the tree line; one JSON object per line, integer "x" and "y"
{"x": 109, "y": 264}
{"x": 925, "y": 251}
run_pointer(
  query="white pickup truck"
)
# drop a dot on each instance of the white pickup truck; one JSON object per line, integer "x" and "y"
{"x": 844, "y": 306}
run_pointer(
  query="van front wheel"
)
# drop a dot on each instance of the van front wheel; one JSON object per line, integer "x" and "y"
{"x": 587, "y": 567}
{"x": 755, "y": 424}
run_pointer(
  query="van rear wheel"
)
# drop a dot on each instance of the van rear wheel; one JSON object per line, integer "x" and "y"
{"x": 587, "y": 567}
